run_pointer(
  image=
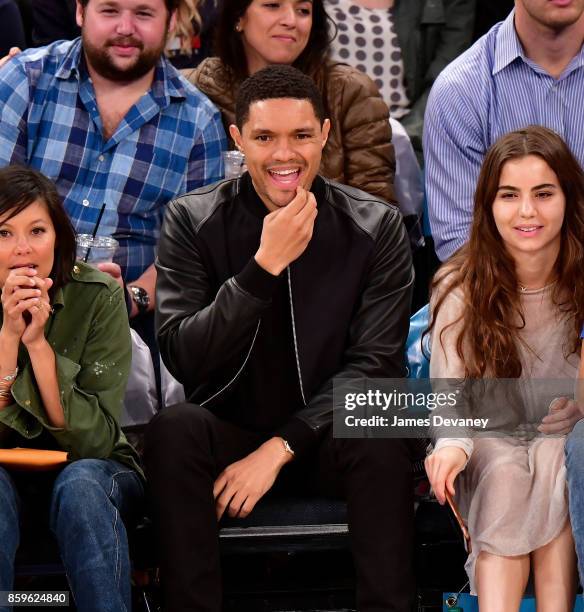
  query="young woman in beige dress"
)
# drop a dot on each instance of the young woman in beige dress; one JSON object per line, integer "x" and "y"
{"x": 510, "y": 304}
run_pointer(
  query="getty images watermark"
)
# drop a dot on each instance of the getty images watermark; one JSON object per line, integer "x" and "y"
{"x": 413, "y": 408}
{"x": 396, "y": 400}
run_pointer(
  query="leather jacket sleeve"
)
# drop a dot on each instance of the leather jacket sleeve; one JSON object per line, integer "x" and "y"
{"x": 198, "y": 333}
{"x": 378, "y": 331}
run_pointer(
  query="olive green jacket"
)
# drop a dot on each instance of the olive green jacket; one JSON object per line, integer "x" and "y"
{"x": 90, "y": 335}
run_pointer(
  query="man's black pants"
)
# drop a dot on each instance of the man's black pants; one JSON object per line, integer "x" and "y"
{"x": 187, "y": 447}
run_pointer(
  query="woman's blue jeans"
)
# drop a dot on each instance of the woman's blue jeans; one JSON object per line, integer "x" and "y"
{"x": 89, "y": 500}
{"x": 575, "y": 469}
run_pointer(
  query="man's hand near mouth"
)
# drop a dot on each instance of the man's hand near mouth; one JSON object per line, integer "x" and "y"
{"x": 287, "y": 232}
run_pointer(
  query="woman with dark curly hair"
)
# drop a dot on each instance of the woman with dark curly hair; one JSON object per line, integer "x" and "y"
{"x": 510, "y": 305}
{"x": 252, "y": 34}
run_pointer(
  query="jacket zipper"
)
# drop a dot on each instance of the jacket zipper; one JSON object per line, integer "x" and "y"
{"x": 294, "y": 336}
{"x": 238, "y": 371}
{"x": 298, "y": 370}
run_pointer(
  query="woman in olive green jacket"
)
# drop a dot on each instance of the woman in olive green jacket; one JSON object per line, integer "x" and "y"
{"x": 65, "y": 354}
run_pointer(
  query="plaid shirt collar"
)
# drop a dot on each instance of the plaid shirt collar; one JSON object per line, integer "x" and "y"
{"x": 166, "y": 85}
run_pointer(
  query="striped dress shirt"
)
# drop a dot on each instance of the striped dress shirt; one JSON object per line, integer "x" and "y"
{"x": 170, "y": 142}
{"x": 491, "y": 89}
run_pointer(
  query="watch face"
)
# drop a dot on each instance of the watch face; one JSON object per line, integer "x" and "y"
{"x": 141, "y": 298}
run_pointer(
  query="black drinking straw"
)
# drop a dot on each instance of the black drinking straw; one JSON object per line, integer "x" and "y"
{"x": 94, "y": 233}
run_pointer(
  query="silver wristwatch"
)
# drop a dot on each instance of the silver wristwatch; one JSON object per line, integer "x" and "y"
{"x": 140, "y": 297}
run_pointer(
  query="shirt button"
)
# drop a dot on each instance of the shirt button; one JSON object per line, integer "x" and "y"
{"x": 101, "y": 158}
{"x": 27, "y": 403}
{"x": 76, "y": 269}
{"x": 85, "y": 202}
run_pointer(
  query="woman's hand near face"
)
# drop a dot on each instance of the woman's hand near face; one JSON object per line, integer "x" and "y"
{"x": 19, "y": 294}
{"x": 40, "y": 311}
{"x": 442, "y": 467}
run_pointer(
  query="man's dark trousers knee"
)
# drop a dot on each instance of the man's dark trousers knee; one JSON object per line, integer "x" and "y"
{"x": 186, "y": 449}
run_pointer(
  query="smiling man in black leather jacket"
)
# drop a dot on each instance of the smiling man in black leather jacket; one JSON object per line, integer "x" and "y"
{"x": 269, "y": 287}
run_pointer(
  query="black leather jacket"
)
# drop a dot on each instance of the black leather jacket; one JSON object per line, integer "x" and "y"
{"x": 349, "y": 292}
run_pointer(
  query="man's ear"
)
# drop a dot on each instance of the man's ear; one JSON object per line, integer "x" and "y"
{"x": 236, "y": 135}
{"x": 326, "y": 127}
{"x": 79, "y": 11}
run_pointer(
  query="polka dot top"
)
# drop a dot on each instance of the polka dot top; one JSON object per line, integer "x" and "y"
{"x": 367, "y": 40}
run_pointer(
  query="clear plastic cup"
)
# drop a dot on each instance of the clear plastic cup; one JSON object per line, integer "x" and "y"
{"x": 234, "y": 162}
{"x": 100, "y": 249}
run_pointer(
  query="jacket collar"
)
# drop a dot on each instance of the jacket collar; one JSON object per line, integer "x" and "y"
{"x": 59, "y": 298}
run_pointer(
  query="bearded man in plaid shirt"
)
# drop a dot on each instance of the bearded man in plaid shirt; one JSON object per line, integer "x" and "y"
{"x": 109, "y": 120}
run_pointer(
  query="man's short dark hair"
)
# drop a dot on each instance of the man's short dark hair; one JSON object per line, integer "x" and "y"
{"x": 277, "y": 82}
{"x": 171, "y": 5}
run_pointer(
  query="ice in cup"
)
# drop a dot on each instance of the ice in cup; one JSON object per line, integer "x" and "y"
{"x": 98, "y": 249}
{"x": 234, "y": 162}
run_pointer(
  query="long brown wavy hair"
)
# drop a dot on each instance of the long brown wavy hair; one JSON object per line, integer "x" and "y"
{"x": 485, "y": 272}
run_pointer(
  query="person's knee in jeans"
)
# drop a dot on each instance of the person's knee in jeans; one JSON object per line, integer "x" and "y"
{"x": 575, "y": 472}
{"x": 575, "y": 453}
{"x": 90, "y": 498}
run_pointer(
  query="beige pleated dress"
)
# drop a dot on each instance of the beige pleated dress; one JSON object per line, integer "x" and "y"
{"x": 512, "y": 492}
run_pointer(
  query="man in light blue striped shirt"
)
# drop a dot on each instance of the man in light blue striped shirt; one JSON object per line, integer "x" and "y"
{"x": 529, "y": 69}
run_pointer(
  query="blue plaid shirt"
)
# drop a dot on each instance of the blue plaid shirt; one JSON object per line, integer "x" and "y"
{"x": 170, "y": 142}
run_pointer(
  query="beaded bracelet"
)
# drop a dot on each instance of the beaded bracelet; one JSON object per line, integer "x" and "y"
{"x": 10, "y": 377}
{"x": 6, "y": 385}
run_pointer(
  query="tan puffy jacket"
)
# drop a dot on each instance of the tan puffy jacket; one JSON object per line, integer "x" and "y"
{"x": 359, "y": 150}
